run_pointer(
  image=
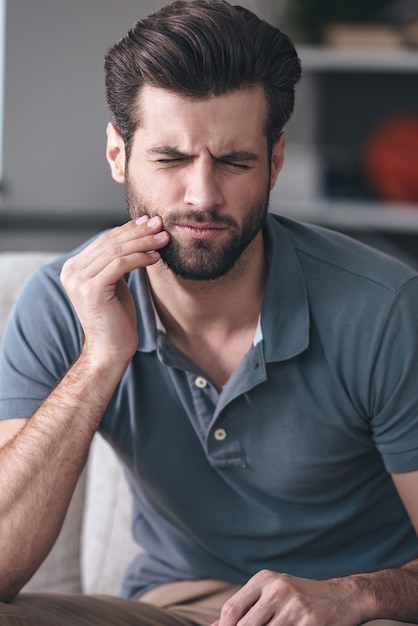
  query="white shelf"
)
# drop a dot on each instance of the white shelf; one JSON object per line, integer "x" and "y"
{"x": 317, "y": 59}
{"x": 350, "y": 215}
{"x": 298, "y": 194}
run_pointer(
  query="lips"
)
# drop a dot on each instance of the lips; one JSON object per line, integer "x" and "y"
{"x": 201, "y": 231}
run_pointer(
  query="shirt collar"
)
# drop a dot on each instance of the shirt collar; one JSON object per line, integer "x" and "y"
{"x": 285, "y": 311}
{"x": 147, "y": 324}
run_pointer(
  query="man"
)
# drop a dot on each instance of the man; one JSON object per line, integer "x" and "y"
{"x": 257, "y": 377}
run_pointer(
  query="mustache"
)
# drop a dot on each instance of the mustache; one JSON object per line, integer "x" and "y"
{"x": 137, "y": 207}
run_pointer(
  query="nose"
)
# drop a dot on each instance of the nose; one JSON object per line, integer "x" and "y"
{"x": 203, "y": 190}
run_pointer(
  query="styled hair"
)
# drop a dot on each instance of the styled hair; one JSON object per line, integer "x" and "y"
{"x": 198, "y": 49}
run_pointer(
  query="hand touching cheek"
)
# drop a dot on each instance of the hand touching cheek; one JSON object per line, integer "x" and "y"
{"x": 94, "y": 281}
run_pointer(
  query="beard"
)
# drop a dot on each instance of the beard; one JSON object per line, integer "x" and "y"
{"x": 202, "y": 259}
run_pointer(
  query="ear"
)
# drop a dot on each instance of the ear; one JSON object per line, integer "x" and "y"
{"x": 277, "y": 158}
{"x": 115, "y": 153}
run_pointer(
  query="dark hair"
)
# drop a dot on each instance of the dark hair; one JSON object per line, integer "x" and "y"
{"x": 200, "y": 48}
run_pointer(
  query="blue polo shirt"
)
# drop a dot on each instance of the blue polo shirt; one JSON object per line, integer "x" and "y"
{"x": 288, "y": 467}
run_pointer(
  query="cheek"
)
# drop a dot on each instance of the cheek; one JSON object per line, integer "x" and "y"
{"x": 161, "y": 183}
{"x": 248, "y": 189}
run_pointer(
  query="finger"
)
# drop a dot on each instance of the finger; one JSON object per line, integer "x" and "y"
{"x": 260, "y": 614}
{"x": 117, "y": 268}
{"x": 125, "y": 240}
{"x": 124, "y": 249}
{"x": 133, "y": 236}
{"x": 238, "y": 605}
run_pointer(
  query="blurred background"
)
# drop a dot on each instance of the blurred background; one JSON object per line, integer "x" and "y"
{"x": 352, "y": 151}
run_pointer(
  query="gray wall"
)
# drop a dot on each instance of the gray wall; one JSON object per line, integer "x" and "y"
{"x": 54, "y": 111}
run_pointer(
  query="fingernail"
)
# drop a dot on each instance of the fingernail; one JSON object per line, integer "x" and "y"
{"x": 153, "y": 253}
{"x": 153, "y": 221}
{"x": 141, "y": 219}
{"x": 161, "y": 235}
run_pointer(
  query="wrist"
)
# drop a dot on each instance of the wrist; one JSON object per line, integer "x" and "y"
{"x": 102, "y": 361}
{"x": 95, "y": 371}
{"x": 363, "y": 596}
{"x": 356, "y": 598}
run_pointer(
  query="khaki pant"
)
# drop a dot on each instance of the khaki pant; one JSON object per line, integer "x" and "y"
{"x": 192, "y": 603}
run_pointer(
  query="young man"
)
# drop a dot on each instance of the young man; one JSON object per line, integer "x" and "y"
{"x": 257, "y": 377}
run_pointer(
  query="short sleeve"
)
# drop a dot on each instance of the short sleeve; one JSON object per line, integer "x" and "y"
{"x": 41, "y": 340}
{"x": 394, "y": 384}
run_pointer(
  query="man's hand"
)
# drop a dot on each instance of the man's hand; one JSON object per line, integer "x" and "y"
{"x": 94, "y": 281}
{"x": 283, "y": 600}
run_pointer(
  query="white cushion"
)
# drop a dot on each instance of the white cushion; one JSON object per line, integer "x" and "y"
{"x": 107, "y": 542}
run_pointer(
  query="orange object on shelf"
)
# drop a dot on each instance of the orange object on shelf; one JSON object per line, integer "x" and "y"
{"x": 391, "y": 159}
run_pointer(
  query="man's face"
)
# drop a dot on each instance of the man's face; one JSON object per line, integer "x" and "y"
{"x": 203, "y": 166}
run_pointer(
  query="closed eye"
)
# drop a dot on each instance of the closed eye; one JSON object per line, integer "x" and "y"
{"x": 240, "y": 159}
{"x": 170, "y": 160}
{"x": 240, "y": 166}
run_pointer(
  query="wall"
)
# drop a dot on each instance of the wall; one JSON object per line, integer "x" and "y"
{"x": 54, "y": 111}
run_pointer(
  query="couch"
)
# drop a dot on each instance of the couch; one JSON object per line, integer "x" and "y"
{"x": 95, "y": 544}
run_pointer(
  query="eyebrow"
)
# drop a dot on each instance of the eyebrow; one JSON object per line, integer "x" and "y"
{"x": 243, "y": 156}
{"x": 165, "y": 151}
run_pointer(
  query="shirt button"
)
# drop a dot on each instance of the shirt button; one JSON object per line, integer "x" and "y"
{"x": 220, "y": 434}
{"x": 200, "y": 382}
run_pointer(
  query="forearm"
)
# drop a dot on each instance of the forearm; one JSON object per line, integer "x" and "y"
{"x": 40, "y": 467}
{"x": 389, "y": 593}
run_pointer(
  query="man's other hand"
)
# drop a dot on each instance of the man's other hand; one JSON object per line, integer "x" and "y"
{"x": 283, "y": 600}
